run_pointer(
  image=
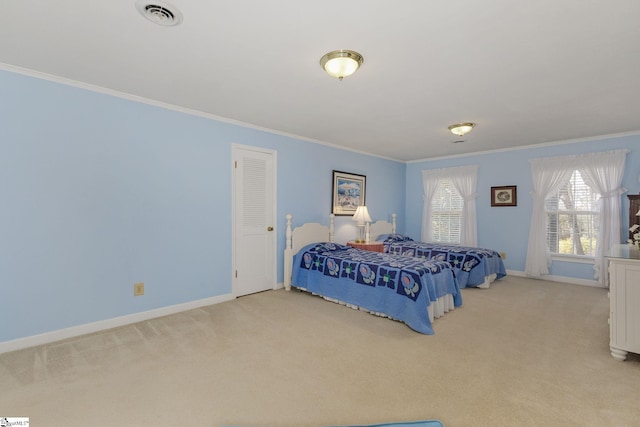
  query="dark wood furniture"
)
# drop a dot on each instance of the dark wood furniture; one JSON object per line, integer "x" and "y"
{"x": 634, "y": 207}
{"x": 371, "y": 246}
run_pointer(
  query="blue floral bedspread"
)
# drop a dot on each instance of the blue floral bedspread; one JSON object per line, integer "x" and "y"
{"x": 400, "y": 287}
{"x": 471, "y": 265}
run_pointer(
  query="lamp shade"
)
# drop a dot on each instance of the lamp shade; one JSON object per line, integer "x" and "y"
{"x": 362, "y": 215}
{"x": 638, "y": 213}
{"x": 341, "y": 63}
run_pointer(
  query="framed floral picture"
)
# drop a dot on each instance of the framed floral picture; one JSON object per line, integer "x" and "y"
{"x": 349, "y": 191}
{"x": 504, "y": 196}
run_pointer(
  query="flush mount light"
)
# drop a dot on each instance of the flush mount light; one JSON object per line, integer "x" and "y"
{"x": 159, "y": 12}
{"x": 341, "y": 63}
{"x": 461, "y": 129}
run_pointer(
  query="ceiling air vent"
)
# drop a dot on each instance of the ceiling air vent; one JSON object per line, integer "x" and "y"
{"x": 159, "y": 12}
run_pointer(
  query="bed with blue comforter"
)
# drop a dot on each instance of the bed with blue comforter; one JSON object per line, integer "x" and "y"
{"x": 403, "y": 288}
{"x": 473, "y": 267}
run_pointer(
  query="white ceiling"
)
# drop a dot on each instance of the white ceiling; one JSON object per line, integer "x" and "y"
{"x": 526, "y": 72}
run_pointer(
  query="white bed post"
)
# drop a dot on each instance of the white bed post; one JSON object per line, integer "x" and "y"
{"x": 331, "y": 227}
{"x": 393, "y": 223}
{"x": 288, "y": 255}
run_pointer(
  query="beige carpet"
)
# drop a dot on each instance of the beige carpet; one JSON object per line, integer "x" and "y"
{"x": 523, "y": 353}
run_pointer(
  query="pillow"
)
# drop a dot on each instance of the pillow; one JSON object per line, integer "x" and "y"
{"x": 394, "y": 238}
{"x": 324, "y": 247}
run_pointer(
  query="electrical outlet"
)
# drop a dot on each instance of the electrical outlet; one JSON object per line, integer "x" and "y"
{"x": 503, "y": 255}
{"x": 138, "y": 289}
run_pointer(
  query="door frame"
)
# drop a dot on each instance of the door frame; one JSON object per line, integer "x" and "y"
{"x": 274, "y": 156}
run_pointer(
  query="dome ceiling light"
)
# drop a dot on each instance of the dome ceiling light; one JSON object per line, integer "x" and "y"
{"x": 461, "y": 129}
{"x": 341, "y": 63}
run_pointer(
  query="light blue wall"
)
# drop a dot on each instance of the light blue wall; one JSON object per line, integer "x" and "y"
{"x": 506, "y": 229}
{"x": 99, "y": 192}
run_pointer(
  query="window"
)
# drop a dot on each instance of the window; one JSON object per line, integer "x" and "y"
{"x": 446, "y": 213}
{"x": 571, "y": 218}
{"x": 449, "y": 213}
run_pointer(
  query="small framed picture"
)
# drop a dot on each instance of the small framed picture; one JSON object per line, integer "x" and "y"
{"x": 504, "y": 196}
{"x": 349, "y": 191}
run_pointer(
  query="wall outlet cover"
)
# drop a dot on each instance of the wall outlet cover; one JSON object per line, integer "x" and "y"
{"x": 138, "y": 289}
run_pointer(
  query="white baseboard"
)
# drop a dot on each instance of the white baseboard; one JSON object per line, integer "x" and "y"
{"x": 115, "y": 322}
{"x": 561, "y": 279}
{"x": 101, "y": 325}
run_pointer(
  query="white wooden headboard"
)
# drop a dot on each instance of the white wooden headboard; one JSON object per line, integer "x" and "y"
{"x": 301, "y": 236}
{"x": 383, "y": 227}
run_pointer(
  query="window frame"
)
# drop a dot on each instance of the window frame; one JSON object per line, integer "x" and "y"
{"x": 594, "y": 235}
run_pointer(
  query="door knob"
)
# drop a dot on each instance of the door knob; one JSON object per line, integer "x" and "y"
{"x": 269, "y": 228}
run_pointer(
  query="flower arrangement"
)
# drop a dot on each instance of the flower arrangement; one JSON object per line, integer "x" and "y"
{"x": 636, "y": 235}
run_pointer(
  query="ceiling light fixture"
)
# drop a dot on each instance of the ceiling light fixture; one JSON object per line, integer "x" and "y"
{"x": 461, "y": 129}
{"x": 341, "y": 63}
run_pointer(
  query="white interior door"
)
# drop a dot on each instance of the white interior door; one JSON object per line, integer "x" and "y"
{"x": 254, "y": 225}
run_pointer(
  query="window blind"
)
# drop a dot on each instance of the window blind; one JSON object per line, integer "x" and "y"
{"x": 447, "y": 213}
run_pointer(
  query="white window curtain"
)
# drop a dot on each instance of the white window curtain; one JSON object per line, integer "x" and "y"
{"x": 548, "y": 175}
{"x": 430, "y": 179}
{"x": 464, "y": 179}
{"x": 602, "y": 172}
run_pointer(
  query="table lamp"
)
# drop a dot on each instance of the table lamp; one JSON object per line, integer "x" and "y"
{"x": 362, "y": 218}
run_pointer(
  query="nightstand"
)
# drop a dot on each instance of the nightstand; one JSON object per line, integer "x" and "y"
{"x": 371, "y": 246}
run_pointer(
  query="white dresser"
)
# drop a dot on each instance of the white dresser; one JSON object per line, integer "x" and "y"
{"x": 624, "y": 300}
